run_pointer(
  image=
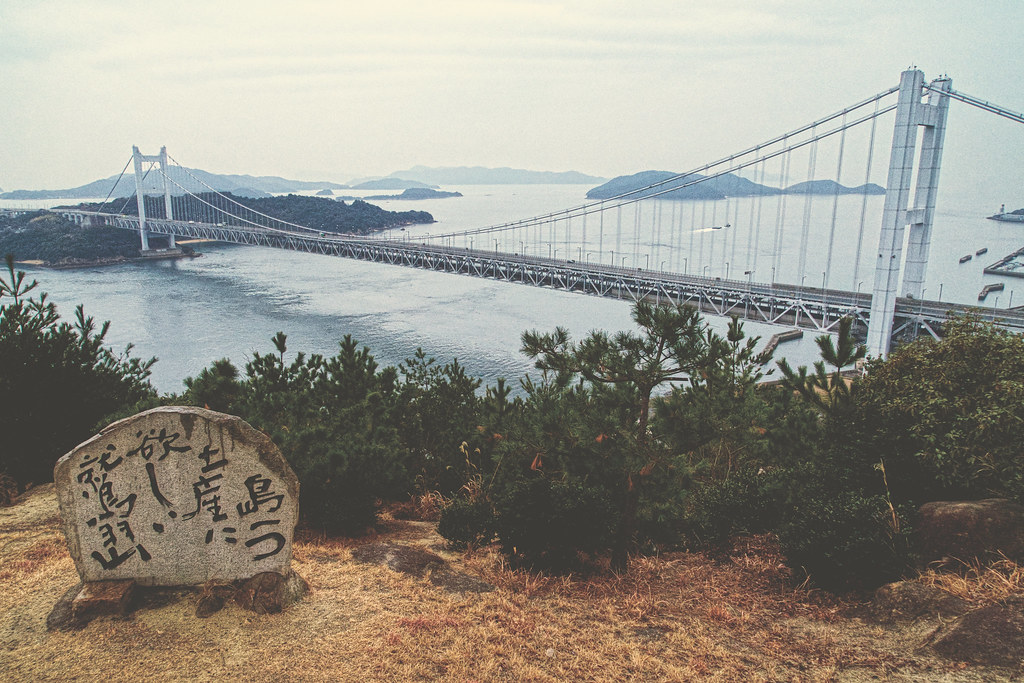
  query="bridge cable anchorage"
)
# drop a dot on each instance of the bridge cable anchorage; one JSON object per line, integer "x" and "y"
{"x": 979, "y": 103}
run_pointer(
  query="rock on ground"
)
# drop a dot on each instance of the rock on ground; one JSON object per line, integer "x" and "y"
{"x": 966, "y": 530}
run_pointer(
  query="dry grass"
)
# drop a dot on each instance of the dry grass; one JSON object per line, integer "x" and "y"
{"x": 980, "y": 584}
{"x": 671, "y": 618}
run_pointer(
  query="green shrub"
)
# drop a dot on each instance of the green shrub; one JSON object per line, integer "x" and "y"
{"x": 947, "y": 416}
{"x": 57, "y": 380}
{"x": 546, "y": 524}
{"x": 331, "y": 418}
{"x": 467, "y": 522}
{"x": 743, "y": 503}
{"x": 845, "y": 540}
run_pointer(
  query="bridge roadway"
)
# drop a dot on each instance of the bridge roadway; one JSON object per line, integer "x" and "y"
{"x": 813, "y": 308}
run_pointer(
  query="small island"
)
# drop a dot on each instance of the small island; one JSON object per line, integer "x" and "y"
{"x": 415, "y": 193}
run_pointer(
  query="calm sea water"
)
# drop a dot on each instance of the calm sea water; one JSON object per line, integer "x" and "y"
{"x": 233, "y": 299}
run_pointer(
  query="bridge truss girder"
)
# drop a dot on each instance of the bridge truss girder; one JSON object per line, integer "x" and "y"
{"x": 810, "y": 308}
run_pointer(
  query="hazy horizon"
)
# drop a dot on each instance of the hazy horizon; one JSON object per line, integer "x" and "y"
{"x": 334, "y": 92}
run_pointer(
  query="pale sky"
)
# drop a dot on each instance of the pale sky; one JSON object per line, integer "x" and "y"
{"x": 334, "y": 90}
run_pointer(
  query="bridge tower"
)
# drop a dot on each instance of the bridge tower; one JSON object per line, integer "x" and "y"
{"x": 161, "y": 159}
{"x": 911, "y": 112}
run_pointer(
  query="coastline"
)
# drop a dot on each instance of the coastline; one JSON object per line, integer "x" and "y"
{"x": 73, "y": 263}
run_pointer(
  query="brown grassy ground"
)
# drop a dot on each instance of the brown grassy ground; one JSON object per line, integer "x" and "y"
{"x": 677, "y": 617}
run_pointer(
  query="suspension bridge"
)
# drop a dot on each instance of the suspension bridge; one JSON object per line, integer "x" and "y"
{"x": 745, "y": 235}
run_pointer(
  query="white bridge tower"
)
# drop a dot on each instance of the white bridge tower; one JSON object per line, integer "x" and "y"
{"x": 161, "y": 159}
{"x": 911, "y": 111}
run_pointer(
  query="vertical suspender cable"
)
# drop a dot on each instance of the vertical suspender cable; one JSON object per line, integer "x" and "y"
{"x": 780, "y": 215}
{"x": 693, "y": 222}
{"x": 835, "y": 206}
{"x": 812, "y": 158}
{"x": 864, "y": 200}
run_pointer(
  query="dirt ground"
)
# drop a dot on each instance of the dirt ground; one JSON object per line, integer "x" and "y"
{"x": 673, "y": 618}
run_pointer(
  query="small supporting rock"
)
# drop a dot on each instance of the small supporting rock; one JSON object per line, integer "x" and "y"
{"x": 213, "y": 597}
{"x": 101, "y": 598}
{"x": 265, "y": 593}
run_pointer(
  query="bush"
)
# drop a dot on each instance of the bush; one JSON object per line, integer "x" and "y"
{"x": 57, "y": 380}
{"x": 331, "y": 418}
{"x": 947, "y": 416}
{"x": 546, "y": 524}
{"x": 467, "y": 522}
{"x": 846, "y": 541}
{"x": 718, "y": 510}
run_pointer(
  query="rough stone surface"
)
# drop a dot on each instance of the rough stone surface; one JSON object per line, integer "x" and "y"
{"x": 177, "y": 496}
{"x": 103, "y": 598}
{"x": 909, "y": 600}
{"x": 970, "y": 529}
{"x": 990, "y": 635}
{"x": 269, "y": 592}
{"x": 420, "y": 562}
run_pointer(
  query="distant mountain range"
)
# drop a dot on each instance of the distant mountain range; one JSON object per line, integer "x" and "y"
{"x": 392, "y": 183}
{"x": 264, "y": 186}
{"x": 728, "y": 185}
{"x": 478, "y": 175}
{"x": 242, "y": 185}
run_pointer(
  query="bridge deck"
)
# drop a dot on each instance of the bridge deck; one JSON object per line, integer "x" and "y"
{"x": 812, "y": 308}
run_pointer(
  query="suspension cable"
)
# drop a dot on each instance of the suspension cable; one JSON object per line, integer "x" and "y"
{"x": 979, "y": 103}
{"x": 114, "y": 186}
{"x": 631, "y": 196}
{"x": 235, "y": 202}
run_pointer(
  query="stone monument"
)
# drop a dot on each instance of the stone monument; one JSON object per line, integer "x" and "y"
{"x": 177, "y": 496}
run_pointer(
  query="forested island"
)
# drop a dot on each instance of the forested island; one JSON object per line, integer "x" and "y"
{"x": 318, "y": 213}
{"x": 54, "y": 241}
{"x": 49, "y": 238}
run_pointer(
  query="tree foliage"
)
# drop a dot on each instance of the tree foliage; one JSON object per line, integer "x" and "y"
{"x": 57, "y": 379}
{"x": 625, "y": 369}
{"x": 47, "y": 237}
{"x": 947, "y": 416}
